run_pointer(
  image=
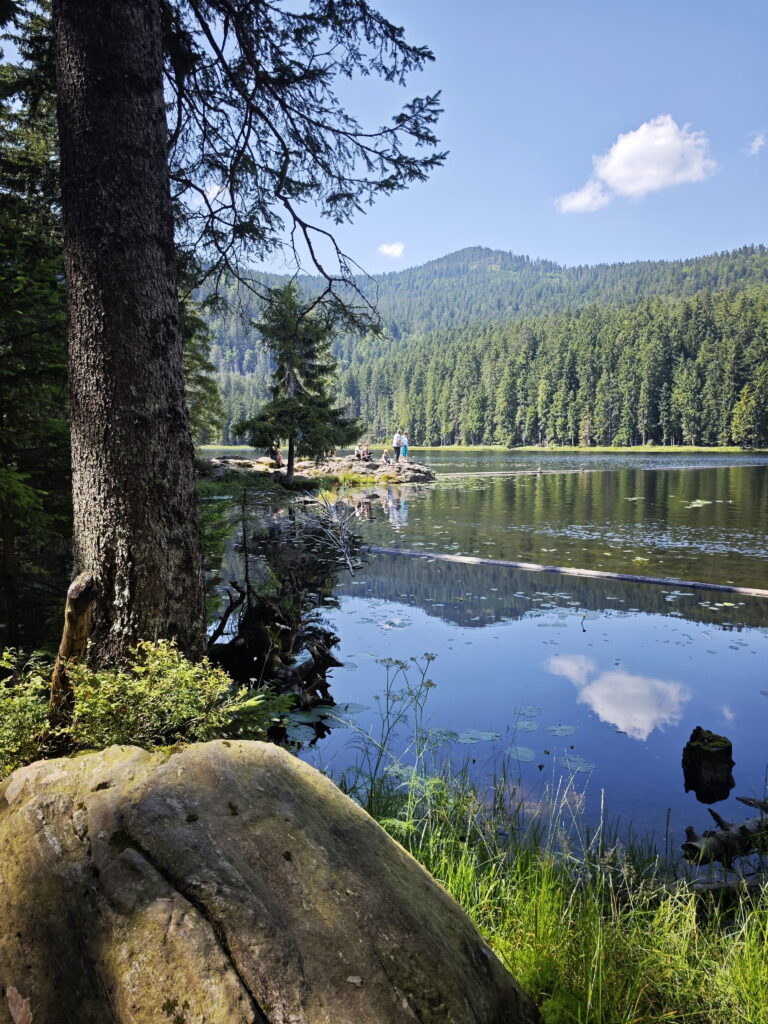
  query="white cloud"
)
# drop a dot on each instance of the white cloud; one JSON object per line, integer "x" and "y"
{"x": 585, "y": 199}
{"x": 654, "y": 156}
{"x": 575, "y": 667}
{"x": 392, "y": 249}
{"x": 756, "y": 143}
{"x": 634, "y": 704}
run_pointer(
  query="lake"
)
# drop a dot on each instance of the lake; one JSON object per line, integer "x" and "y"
{"x": 592, "y": 683}
{"x": 596, "y": 681}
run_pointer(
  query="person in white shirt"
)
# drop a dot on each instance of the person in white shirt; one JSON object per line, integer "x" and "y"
{"x": 397, "y": 443}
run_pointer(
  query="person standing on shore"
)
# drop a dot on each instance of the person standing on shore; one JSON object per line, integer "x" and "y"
{"x": 404, "y": 447}
{"x": 397, "y": 443}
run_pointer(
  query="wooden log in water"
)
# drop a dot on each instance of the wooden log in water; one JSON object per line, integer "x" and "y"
{"x": 728, "y": 840}
{"x": 74, "y": 640}
{"x": 563, "y": 570}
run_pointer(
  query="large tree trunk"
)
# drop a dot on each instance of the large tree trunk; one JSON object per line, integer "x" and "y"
{"x": 132, "y": 455}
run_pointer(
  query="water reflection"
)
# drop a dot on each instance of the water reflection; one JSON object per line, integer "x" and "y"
{"x": 697, "y": 524}
{"x": 479, "y": 595}
{"x": 395, "y": 504}
{"x": 635, "y": 704}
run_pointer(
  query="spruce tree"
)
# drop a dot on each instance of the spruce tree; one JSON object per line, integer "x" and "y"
{"x": 302, "y": 410}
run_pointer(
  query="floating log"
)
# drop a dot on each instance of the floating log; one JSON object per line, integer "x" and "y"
{"x": 728, "y": 840}
{"x": 74, "y": 640}
{"x": 565, "y": 570}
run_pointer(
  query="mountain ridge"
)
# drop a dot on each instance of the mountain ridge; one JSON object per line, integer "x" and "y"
{"x": 474, "y": 313}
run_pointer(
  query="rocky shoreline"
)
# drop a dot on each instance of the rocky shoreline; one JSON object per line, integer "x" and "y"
{"x": 337, "y": 466}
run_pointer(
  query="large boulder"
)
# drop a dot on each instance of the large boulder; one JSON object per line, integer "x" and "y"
{"x": 223, "y": 882}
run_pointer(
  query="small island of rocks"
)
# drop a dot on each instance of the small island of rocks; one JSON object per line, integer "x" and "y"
{"x": 345, "y": 468}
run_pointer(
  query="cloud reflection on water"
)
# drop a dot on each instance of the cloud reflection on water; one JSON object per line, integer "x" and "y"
{"x": 634, "y": 704}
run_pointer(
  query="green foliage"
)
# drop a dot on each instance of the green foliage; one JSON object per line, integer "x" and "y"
{"x": 34, "y": 446}
{"x": 302, "y": 408}
{"x": 203, "y": 397}
{"x": 24, "y": 691}
{"x": 159, "y": 699}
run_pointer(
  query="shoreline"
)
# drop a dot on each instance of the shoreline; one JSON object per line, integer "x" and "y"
{"x": 649, "y": 449}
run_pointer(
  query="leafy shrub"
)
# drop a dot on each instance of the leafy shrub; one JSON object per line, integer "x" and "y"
{"x": 159, "y": 699}
{"x": 23, "y": 709}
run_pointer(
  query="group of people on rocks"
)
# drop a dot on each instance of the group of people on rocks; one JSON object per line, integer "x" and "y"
{"x": 399, "y": 447}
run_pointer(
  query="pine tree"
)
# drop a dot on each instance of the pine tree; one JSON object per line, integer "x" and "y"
{"x": 302, "y": 409}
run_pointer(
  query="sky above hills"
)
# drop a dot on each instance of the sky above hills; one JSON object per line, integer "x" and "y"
{"x": 588, "y": 132}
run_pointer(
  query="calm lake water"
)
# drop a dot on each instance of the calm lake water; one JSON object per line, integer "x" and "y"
{"x": 596, "y": 681}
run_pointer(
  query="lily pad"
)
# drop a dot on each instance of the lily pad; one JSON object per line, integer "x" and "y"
{"x": 576, "y": 763}
{"x": 519, "y": 753}
{"x": 300, "y": 733}
{"x": 528, "y": 711}
{"x": 349, "y": 709}
{"x": 309, "y": 715}
{"x": 476, "y": 736}
{"x": 561, "y": 730}
{"x": 526, "y": 725}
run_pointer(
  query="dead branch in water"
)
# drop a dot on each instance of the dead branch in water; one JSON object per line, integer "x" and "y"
{"x": 729, "y": 840}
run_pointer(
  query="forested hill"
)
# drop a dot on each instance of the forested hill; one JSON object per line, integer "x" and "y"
{"x": 492, "y": 309}
{"x": 478, "y": 284}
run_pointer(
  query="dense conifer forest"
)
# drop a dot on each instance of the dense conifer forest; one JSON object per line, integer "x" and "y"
{"x": 485, "y": 347}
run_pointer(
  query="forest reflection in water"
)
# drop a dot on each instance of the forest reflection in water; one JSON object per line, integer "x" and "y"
{"x": 602, "y": 679}
{"x": 597, "y": 679}
{"x": 698, "y": 524}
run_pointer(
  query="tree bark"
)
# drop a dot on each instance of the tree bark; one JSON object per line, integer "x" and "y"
{"x": 135, "y": 524}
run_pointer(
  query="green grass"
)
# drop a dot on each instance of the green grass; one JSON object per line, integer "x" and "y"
{"x": 589, "y": 934}
{"x": 598, "y": 931}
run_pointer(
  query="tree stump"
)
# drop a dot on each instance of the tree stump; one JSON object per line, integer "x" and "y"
{"x": 74, "y": 641}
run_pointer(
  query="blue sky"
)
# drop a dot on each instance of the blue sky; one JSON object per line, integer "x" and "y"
{"x": 669, "y": 98}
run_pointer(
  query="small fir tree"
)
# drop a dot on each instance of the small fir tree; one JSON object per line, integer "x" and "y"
{"x": 302, "y": 409}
